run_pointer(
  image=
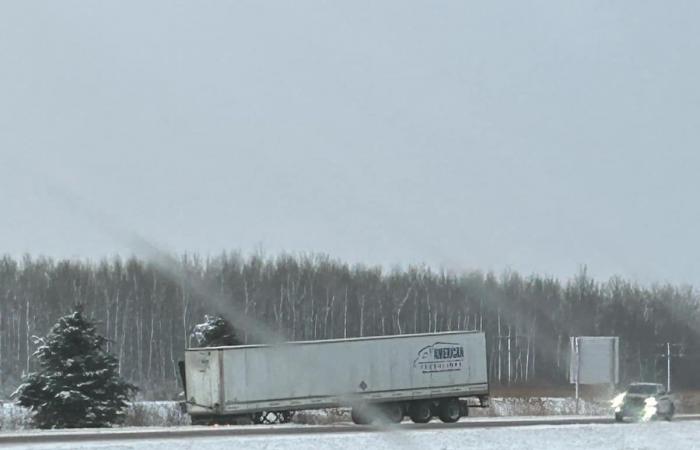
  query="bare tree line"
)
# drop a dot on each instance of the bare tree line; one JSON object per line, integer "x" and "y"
{"x": 148, "y": 316}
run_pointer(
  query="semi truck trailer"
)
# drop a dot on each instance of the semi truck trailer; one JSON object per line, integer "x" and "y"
{"x": 381, "y": 378}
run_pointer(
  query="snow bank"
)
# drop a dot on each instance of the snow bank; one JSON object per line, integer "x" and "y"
{"x": 155, "y": 414}
{"x": 167, "y": 414}
{"x": 322, "y": 416}
{"x": 499, "y": 407}
{"x": 13, "y": 417}
{"x": 145, "y": 414}
{"x": 541, "y": 406}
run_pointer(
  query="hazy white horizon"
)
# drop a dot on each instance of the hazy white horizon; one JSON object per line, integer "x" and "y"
{"x": 538, "y": 136}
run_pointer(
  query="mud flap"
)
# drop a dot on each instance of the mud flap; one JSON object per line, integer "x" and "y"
{"x": 463, "y": 408}
{"x": 484, "y": 401}
{"x": 183, "y": 377}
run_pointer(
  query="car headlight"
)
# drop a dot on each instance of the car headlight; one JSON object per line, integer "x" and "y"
{"x": 649, "y": 410}
{"x": 618, "y": 400}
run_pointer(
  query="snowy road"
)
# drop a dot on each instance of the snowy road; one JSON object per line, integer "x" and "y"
{"x": 532, "y": 432}
{"x": 652, "y": 435}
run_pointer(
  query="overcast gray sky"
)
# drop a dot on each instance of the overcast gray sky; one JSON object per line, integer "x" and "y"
{"x": 539, "y": 135}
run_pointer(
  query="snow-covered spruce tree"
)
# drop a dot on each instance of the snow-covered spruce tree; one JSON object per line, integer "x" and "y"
{"x": 78, "y": 383}
{"x": 215, "y": 331}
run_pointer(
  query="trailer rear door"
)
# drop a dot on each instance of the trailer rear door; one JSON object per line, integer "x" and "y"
{"x": 203, "y": 381}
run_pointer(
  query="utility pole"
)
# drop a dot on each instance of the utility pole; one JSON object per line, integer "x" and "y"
{"x": 668, "y": 366}
{"x": 671, "y": 350}
{"x": 578, "y": 369}
{"x": 500, "y": 379}
{"x": 509, "y": 358}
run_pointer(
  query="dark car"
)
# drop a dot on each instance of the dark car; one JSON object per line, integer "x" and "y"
{"x": 644, "y": 401}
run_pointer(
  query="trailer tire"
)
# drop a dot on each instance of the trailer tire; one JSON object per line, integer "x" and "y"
{"x": 449, "y": 410}
{"x": 287, "y": 416}
{"x": 670, "y": 413}
{"x": 392, "y": 412}
{"x": 271, "y": 417}
{"x": 420, "y": 412}
{"x": 359, "y": 415}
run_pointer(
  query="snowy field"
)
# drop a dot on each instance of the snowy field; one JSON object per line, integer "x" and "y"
{"x": 652, "y": 435}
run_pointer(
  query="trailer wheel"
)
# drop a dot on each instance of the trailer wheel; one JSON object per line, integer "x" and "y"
{"x": 287, "y": 416}
{"x": 272, "y": 417}
{"x": 420, "y": 412}
{"x": 359, "y": 415}
{"x": 392, "y": 412}
{"x": 449, "y": 410}
{"x": 671, "y": 411}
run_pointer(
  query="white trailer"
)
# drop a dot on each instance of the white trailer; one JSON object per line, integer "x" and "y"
{"x": 420, "y": 375}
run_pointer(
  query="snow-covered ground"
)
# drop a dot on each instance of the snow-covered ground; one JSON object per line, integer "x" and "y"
{"x": 546, "y": 406}
{"x": 652, "y": 435}
{"x": 164, "y": 413}
{"x": 153, "y": 414}
{"x": 159, "y": 414}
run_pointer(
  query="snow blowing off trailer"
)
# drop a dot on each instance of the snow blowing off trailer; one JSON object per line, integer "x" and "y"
{"x": 383, "y": 379}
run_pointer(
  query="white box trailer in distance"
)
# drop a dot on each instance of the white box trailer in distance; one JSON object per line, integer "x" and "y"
{"x": 419, "y": 375}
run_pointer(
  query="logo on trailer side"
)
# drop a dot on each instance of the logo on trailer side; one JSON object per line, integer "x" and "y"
{"x": 440, "y": 357}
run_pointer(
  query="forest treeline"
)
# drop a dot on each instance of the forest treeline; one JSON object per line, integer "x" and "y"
{"x": 148, "y": 313}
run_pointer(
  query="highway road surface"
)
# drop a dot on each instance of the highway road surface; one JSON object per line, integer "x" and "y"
{"x": 189, "y": 433}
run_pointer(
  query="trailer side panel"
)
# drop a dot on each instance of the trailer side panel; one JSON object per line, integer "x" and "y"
{"x": 340, "y": 372}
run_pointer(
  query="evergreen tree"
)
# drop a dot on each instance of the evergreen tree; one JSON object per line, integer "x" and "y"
{"x": 78, "y": 384}
{"x": 214, "y": 332}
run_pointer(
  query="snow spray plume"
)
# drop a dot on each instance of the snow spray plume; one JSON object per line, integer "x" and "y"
{"x": 170, "y": 267}
{"x": 173, "y": 269}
